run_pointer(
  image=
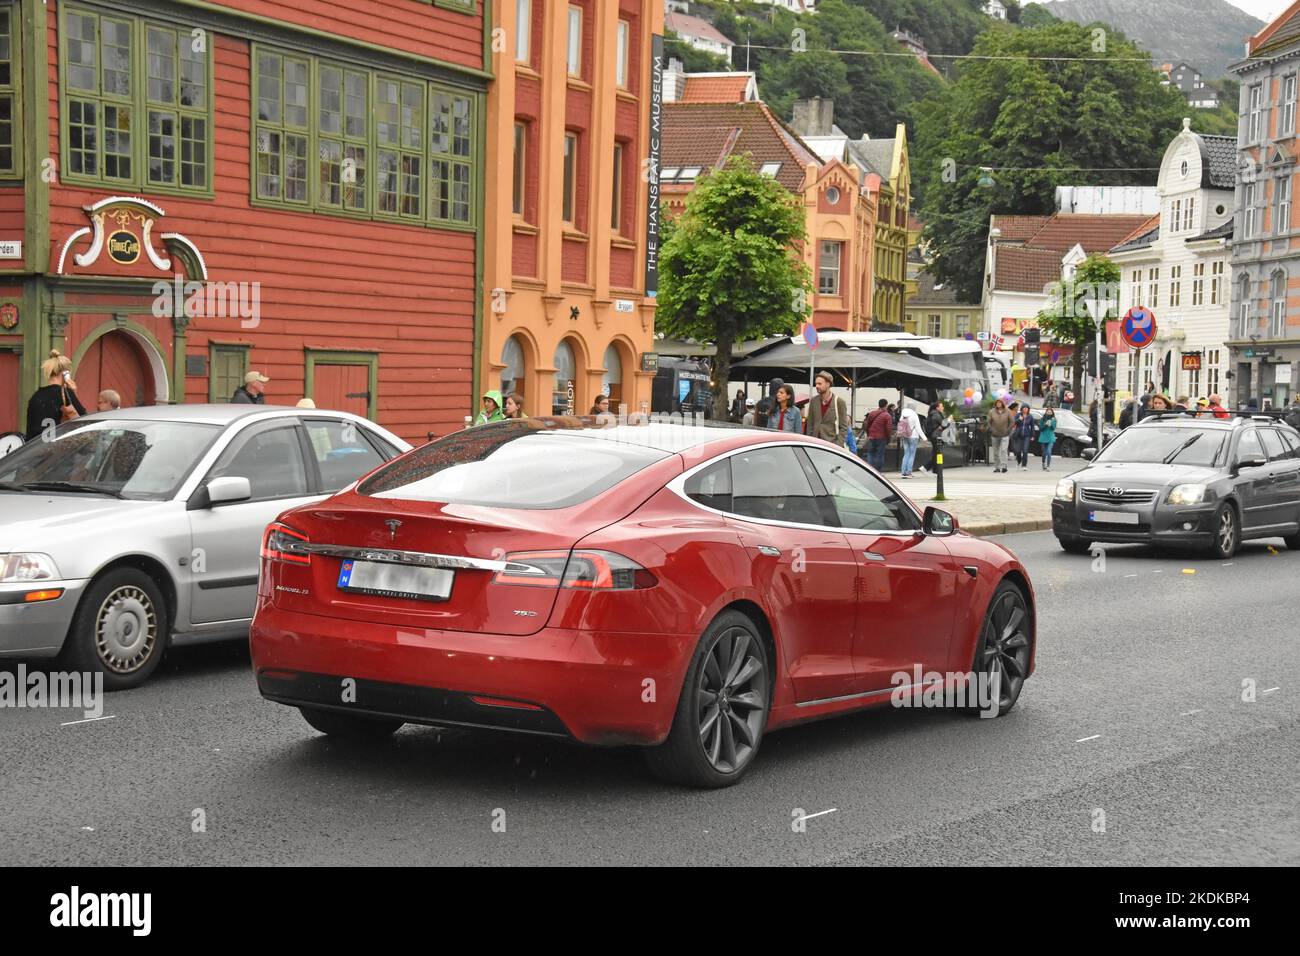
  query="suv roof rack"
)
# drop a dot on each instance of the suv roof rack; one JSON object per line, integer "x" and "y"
{"x": 1235, "y": 414}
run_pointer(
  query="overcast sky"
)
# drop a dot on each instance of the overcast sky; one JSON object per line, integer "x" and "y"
{"x": 1266, "y": 10}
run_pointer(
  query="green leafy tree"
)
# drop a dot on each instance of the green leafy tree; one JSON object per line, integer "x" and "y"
{"x": 1103, "y": 119}
{"x": 1067, "y": 321}
{"x": 1036, "y": 15}
{"x": 730, "y": 268}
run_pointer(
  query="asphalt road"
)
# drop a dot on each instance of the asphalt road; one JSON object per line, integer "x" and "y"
{"x": 1136, "y": 711}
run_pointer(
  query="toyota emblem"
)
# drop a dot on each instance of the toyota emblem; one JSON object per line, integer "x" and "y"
{"x": 1116, "y": 492}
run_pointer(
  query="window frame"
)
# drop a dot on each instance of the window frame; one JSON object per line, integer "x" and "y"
{"x": 1282, "y": 206}
{"x": 14, "y": 91}
{"x": 569, "y": 172}
{"x": 616, "y": 186}
{"x": 137, "y": 101}
{"x": 623, "y": 54}
{"x": 374, "y": 76}
{"x": 1286, "y": 122}
{"x": 573, "y": 50}
{"x": 524, "y": 31}
{"x": 837, "y": 270}
{"x": 215, "y": 348}
{"x": 519, "y": 172}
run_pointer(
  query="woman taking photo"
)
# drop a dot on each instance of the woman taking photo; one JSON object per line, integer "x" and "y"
{"x": 56, "y": 401}
{"x": 785, "y": 416}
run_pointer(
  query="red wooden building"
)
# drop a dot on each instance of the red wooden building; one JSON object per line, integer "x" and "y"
{"x": 190, "y": 189}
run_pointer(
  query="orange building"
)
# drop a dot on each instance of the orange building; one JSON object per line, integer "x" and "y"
{"x": 712, "y": 119}
{"x": 567, "y": 312}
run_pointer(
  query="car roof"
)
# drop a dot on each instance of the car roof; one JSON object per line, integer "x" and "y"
{"x": 208, "y": 414}
{"x": 667, "y": 433}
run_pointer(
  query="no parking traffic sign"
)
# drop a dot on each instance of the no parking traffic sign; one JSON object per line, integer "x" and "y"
{"x": 1139, "y": 327}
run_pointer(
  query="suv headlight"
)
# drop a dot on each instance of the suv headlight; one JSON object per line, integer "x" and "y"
{"x": 1065, "y": 489}
{"x": 1187, "y": 495}
{"x": 22, "y": 566}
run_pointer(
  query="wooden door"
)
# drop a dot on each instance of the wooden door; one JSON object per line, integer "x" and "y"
{"x": 10, "y": 380}
{"x": 114, "y": 361}
{"x": 343, "y": 388}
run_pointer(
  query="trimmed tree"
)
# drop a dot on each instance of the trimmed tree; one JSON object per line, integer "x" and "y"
{"x": 730, "y": 268}
{"x": 1067, "y": 319}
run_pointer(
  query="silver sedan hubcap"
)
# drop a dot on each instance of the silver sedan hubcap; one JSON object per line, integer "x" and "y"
{"x": 126, "y": 629}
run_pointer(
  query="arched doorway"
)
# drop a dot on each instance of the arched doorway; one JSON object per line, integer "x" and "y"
{"x": 116, "y": 360}
{"x": 514, "y": 375}
{"x": 612, "y": 383}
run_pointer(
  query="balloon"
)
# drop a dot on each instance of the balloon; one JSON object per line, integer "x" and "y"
{"x": 969, "y": 400}
{"x": 969, "y": 393}
{"x": 978, "y": 396}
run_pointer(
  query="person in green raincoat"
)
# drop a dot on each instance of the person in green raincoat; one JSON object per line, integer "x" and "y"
{"x": 491, "y": 409}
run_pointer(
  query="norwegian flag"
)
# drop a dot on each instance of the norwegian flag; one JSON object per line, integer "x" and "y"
{"x": 995, "y": 342}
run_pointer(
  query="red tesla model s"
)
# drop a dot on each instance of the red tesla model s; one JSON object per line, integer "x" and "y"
{"x": 682, "y": 587}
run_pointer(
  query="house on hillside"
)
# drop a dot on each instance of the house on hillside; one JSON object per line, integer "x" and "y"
{"x": 1187, "y": 80}
{"x": 698, "y": 33}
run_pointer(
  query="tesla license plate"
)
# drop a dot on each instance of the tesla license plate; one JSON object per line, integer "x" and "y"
{"x": 1113, "y": 517}
{"x": 396, "y": 580}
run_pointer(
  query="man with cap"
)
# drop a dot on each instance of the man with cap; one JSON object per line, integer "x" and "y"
{"x": 250, "y": 393}
{"x": 748, "y": 418}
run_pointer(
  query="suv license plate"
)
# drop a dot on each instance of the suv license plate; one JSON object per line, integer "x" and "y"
{"x": 396, "y": 580}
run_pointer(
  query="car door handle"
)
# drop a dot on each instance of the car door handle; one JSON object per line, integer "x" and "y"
{"x": 872, "y": 556}
{"x": 770, "y": 551}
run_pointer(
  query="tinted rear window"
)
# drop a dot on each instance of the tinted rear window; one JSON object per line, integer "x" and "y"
{"x": 513, "y": 465}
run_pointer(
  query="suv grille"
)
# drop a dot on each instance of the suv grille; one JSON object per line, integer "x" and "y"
{"x": 1133, "y": 496}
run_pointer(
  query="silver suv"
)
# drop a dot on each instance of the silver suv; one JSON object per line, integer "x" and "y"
{"x": 126, "y": 529}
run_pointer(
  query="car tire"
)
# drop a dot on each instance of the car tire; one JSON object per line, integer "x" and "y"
{"x": 1075, "y": 545}
{"x": 1292, "y": 542}
{"x": 334, "y": 723}
{"x": 726, "y": 696}
{"x": 1227, "y": 532}
{"x": 1004, "y": 645}
{"x": 1069, "y": 448}
{"x": 120, "y": 629}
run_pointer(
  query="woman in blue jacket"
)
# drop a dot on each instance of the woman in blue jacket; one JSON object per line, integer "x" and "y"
{"x": 1047, "y": 437}
{"x": 1022, "y": 436}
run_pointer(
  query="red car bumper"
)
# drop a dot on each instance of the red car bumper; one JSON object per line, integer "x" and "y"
{"x": 599, "y": 688}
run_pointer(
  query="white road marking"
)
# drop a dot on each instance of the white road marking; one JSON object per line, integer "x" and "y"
{"x": 1086, "y": 739}
{"x": 88, "y": 720}
{"x": 1130, "y": 575}
{"x": 1270, "y": 690}
{"x": 1188, "y": 713}
{"x": 809, "y": 816}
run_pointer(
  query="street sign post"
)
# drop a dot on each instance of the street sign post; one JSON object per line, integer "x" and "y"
{"x": 1138, "y": 330}
{"x": 1099, "y": 306}
{"x": 809, "y": 335}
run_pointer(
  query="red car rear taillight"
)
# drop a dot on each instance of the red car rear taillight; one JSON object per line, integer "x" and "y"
{"x": 282, "y": 543}
{"x": 582, "y": 570}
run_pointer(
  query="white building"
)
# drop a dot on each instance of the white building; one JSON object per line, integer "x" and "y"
{"x": 701, "y": 34}
{"x": 1178, "y": 267}
{"x": 794, "y": 6}
{"x": 996, "y": 9}
{"x": 1106, "y": 200}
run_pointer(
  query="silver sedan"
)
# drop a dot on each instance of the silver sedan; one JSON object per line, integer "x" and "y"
{"x": 126, "y": 530}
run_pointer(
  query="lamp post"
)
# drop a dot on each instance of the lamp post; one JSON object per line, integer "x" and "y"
{"x": 1098, "y": 305}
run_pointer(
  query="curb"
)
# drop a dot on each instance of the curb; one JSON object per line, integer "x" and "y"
{"x": 988, "y": 529}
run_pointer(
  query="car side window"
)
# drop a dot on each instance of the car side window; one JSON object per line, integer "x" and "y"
{"x": 770, "y": 483}
{"x": 1292, "y": 443}
{"x": 1273, "y": 447}
{"x": 270, "y": 458}
{"x": 862, "y": 501}
{"x": 1249, "y": 447}
{"x": 342, "y": 453}
{"x": 711, "y": 486}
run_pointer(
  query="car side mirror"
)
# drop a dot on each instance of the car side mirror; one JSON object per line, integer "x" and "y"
{"x": 1089, "y": 454}
{"x": 939, "y": 523}
{"x": 1251, "y": 463}
{"x": 228, "y": 489}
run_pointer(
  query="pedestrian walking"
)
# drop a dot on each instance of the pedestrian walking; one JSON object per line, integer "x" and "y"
{"x": 1000, "y": 422}
{"x": 738, "y": 405}
{"x": 828, "y": 416}
{"x": 766, "y": 404}
{"x": 785, "y": 415}
{"x": 491, "y": 408}
{"x": 1051, "y": 397}
{"x": 600, "y": 406}
{"x": 56, "y": 401}
{"x": 748, "y": 418}
{"x": 1216, "y": 406}
{"x": 1159, "y": 403}
{"x": 1047, "y": 436}
{"x": 909, "y": 432}
{"x": 878, "y": 428}
{"x": 1022, "y": 435}
{"x": 935, "y": 426}
{"x": 252, "y": 392}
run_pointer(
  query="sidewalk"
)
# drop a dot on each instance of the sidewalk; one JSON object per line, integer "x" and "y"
{"x": 985, "y": 503}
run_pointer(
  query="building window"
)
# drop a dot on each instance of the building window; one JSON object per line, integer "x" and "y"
{"x": 1287, "y": 124}
{"x": 936, "y": 325}
{"x": 1198, "y": 284}
{"x": 828, "y": 268}
{"x": 325, "y": 134}
{"x": 1135, "y": 288}
{"x": 1277, "y": 297}
{"x": 621, "y": 56}
{"x": 1189, "y": 213}
{"x": 1243, "y": 306}
{"x": 513, "y": 375}
{"x": 1282, "y": 216}
{"x": 1175, "y": 215}
{"x": 227, "y": 366}
{"x": 523, "y": 29}
{"x": 10, "y": 95}
{"x": 1216, "y": 279}
{"x": 1176, "y": 285}
{"x": 963, "y": 326}
{"x": 521, "y": 159}
{"x": 1211, "y": 371}
{"x": 616, "y": 199}
{"x": 568, "y": 211}
{"x": 111, "y": 66}
{"x": 344, "y": 141}
{"x": 1248, "y": 206}
{"x": 575, "y": 41}
{"x": 612, "y": 383}
{"x": 1255, "y": 125}
{"x": 1153, "y": 288}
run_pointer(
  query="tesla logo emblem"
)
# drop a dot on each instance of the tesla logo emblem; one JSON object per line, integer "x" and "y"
{"x": 1116, "y": 492}
{"x": 393, "y": 525}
